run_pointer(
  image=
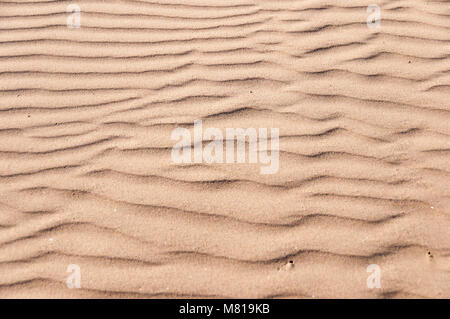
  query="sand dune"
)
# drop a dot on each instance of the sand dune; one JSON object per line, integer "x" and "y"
{"x": 86, "y": 116}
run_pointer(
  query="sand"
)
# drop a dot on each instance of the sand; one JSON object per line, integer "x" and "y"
{"x": 87, "y": 182}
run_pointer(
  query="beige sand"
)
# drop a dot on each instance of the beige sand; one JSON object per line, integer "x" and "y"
{"x": 86, "y": 175}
